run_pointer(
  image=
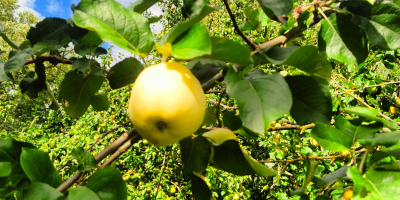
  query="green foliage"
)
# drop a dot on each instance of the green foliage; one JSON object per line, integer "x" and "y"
{"x": 337, "y": 84}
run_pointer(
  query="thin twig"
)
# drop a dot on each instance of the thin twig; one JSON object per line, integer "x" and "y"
{"x": 219, "y": 108}
{"x": 99, "y": 157}
{"x": 225, "y": 107}
{"x": 237, "y": 29}
{"x": 279, "y": 176}
{"x": 145, "y": 63}
{"x": 291, "y": 127}
{"x": 359, "y": 99}
{"x": 383, "y": 84}
{"x": 162, "y": 172}
{"x": 343, "y": 155}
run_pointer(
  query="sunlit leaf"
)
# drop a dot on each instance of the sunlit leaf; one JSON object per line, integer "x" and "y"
{"x": 331, "y": 138}
{"x": 194, "y": 42}
{"x": 115, "y": 23}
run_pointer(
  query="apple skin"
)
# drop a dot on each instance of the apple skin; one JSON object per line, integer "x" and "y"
{"x": 167, "y": 103}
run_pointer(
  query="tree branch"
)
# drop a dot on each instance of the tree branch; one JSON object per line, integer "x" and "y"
{"x": 237, "y": 29}
{"x": 97, "y": 141}
{"x": 53, "y": 59}
{"x": 99, "y": 157}
{"x": 121, "y": 150}
{"x": 282, "y": 39}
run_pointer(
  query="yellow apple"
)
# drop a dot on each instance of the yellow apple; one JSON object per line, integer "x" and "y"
{"x": 167, "y": 103}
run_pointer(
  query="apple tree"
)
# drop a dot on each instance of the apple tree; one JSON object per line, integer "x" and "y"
{"x": 317, "y": 69}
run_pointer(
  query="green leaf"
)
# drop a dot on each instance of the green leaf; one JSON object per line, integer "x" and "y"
{"x": 199, "y": 187}
{"x": 13, "y": 44}
{"x": 78, "y": 91}
{"x": 5, "y": 169}
{"x": 306, "y": 58}
{"x": 379, "y": 155}
{"x": 193, "y": 7}
{"x": 380, "y": 21}
{"x": 89, "y": 44}
{"x": 194, "y": 42}
{"x": 232, "y": 121}
{"x": 107, "y": 183}
{"x": 100, "y": 102}
{"x": 40, "y": 191}
{"x": 385, "y": 139}
{"x": 181, "y": 27}
{"x": 311, "y": 167}
{"x": 231, "y": 51}
{"x": 229, "y": 157}
{"x": 205, "y": 70}
{"x": 199, "y": 154}
{"x": 124, "y": 73}
{"x": 371, "y": 114}
{"x": 32, "y": 86}
{"x": 249, "y": 134}
{"x": 140, "y": 6}
{"x": 10, "y": 150}
{"x": 82, "y": 193}
{"x": 3, "y": 75}
{"x": 38, "y": 167}
{"x": 375, "y": 184}
{"x": 53, "y": 30}
{"x": 358, "y": 131}
{"x": 85, "y": 159}
{"x": 41, "y": 48}
{"x": 342, "y": 39}
{"x": 277, "y": 10}
{"x": 121, "y": 26}
{"x": 332, "y": 177}
{"x": 253, "y": 20}
{"x": 261, "y": 98}
{"x": 186, "y": 146}
{"x": 311, "y": 101}
{"x": 331, "y": 138}
{"x": 210, "y": 118}
{"x": 16, "y": 62}
{"x": 385, "y": 182}
{"x": 81, "y": 64}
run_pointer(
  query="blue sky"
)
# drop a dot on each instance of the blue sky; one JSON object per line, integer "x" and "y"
{"x": 62, "y": 9}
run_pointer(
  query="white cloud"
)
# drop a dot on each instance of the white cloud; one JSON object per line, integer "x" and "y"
{"x": 54, "y": 6}
{"x": 28, "y": 5}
